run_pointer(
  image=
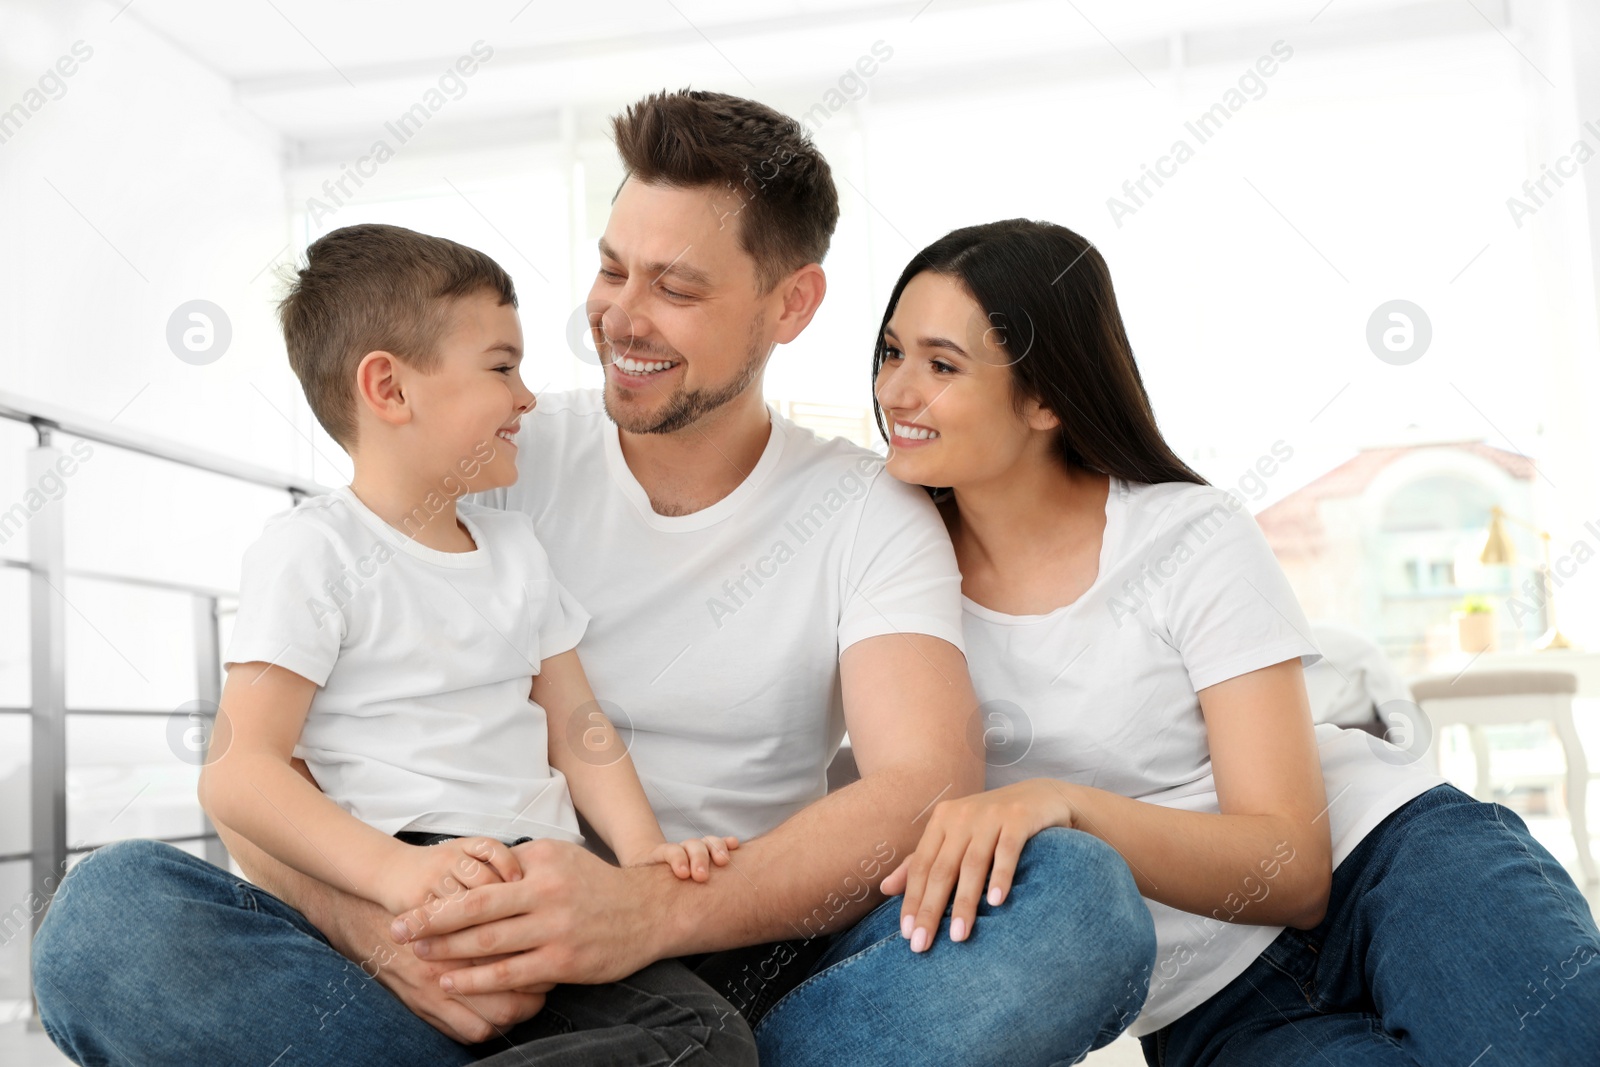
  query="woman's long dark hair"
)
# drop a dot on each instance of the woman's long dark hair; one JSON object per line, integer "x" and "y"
{"x": 1047, "y": 293}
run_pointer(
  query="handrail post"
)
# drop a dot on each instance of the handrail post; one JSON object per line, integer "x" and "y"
{"x": 208, "y": 688}
{"x": 48, "y": 670}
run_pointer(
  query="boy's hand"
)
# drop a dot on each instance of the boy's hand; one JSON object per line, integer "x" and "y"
{"x": 418, "y": 873}
{"x": 692, "y": 858}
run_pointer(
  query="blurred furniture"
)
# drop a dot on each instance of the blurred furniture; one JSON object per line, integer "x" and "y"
{"x": 852, "y": 422}
{"x": 1480, "y": 698}
{"x": 1585, "y": 666}
{"x": 843, "y": 770}
{"x": 1499, "y": 551}
{"x": 1353, "y": 680}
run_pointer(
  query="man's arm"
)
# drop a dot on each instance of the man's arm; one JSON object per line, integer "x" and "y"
{"x": 359, "y": 930}
{"x": 572, "y": 918}
{"x": 907, "y": 699}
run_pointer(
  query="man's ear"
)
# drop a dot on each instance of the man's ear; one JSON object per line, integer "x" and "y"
{"x": 379, "y": 387}
{"x": 802, "y": 293}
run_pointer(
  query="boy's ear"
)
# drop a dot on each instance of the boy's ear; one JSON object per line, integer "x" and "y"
{"x": 379, "y": 387}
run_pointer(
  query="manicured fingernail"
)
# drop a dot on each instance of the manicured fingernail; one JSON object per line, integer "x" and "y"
{"x": 958, "y": 929}
{"x": 905, "y": 924}
{"x": 448, "y": 984}
{"x": 994, "y": 897}
{"x": 919, "y": 940}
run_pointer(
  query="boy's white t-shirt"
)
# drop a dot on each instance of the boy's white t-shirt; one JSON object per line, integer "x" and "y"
{"x": 425, "y": 660}
{"x": 1103, "y": 692}
{"x": 716, "y": 636}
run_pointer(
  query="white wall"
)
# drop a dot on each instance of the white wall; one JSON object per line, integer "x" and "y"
{"x": 139, "y": 187}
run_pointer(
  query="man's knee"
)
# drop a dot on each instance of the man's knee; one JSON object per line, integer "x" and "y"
{"x": 100, "y": 904}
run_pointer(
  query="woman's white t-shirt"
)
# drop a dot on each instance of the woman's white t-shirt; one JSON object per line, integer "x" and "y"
{"x": 425, "y": 660}
{"x": 1103, "y": 693}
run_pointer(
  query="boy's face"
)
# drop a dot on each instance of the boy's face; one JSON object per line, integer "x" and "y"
{"x": 682, "y": 329}
{"x": 473, "y": 397}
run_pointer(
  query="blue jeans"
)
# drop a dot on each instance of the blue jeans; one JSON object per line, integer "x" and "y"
{"x": 1062, "y": 967}
{"x": 149, "y": 955}
{"x": 1452, "y": 937}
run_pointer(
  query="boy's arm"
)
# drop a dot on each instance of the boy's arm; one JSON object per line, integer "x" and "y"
{"x": 573, "y": 918}
{"x": 359, "y": 930}
{"x": 586, "y": 748}
{"x": 249, "y": 785}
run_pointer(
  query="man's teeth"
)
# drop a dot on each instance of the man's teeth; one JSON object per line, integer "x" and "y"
{"x": 634, "y": 366}
{"x": 914, "y": 433}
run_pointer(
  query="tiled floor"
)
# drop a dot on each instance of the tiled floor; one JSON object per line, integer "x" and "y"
{"x": 32, "y": 1049}
{"x": 22, "y": 1047}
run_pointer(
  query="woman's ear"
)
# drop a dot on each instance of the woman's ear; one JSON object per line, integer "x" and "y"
{"x": 379, "y": 388}
{"x": 1039, "y": 417}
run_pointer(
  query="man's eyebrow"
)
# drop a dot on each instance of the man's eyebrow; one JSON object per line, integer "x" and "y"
{"x": 678, "y": 268}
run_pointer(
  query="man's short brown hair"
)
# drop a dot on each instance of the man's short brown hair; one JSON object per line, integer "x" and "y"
{"x": 788, "y": 203}
{"x": 371, "y": 288}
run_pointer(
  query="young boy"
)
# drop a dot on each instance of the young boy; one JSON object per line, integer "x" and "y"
{"x": 415, "y": 656}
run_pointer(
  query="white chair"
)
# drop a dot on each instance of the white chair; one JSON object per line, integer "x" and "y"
{"x": 1487, "y": 698}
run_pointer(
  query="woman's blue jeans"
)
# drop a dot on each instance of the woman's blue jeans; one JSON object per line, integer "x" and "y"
{"x": 1062, "y": 967}
{"x": 151, "y": 956}
{"x": 1452, "y": 937}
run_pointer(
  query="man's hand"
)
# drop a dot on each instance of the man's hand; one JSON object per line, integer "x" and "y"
{"x": 571, "y": 918}
{"x": 362, "y": 935}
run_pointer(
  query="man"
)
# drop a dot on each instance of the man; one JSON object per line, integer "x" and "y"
{"x": 756, "y": 592}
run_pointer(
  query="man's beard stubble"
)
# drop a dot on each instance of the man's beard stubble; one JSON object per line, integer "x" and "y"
{"x": 685, "y": 407}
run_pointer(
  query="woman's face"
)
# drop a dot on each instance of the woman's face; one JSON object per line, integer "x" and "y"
{"x": 945, "y": 391}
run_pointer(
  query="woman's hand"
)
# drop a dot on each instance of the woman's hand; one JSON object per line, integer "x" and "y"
{"x": 969, "y": 841}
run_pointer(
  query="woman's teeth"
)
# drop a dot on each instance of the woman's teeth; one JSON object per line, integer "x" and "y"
{"x": 914, "y": 433}
{"x": 506, "y": 435}
{"x": 635, "y": 366}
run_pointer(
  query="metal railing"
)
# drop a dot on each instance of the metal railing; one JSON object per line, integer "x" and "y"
{"x": 46, "y": 565}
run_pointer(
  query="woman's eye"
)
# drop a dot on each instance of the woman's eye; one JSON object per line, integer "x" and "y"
{"x": 505, "y": 369}
{"x": 941, "y": 367}
{"x": 891, "y": 352}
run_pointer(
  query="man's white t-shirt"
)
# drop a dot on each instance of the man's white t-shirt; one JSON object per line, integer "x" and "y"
{"x": 425, "y": 660}
{"x": 1103, "y": 692}
{"x": 716, "y": 636}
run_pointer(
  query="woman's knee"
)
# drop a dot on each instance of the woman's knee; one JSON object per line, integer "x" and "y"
{"x": 1079, "y": 883}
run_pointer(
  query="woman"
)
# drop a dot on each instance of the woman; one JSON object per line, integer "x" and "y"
{"x": 1316, "y": 898}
